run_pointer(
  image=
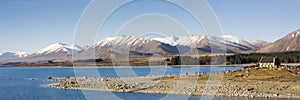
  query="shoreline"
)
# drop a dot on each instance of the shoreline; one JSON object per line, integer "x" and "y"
{"x": 234, "y": 84}
{"x": 234, "y": 65}
{"x": 219, "y": 96}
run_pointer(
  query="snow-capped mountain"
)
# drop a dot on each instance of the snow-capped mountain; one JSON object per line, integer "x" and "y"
{"x": 56, "y": 52}
{"x": 53, "y": 52}
{"x": 8, "y": 55}
{"x": 189, "y": 44}
{"x": 259, "y": 43}
{"x": 237, "y": 44}
{"x": 122, "y": 40}
{"x": 190, "y": 40}
{"x": 122, "y": 45}
{"x": 60, "y": 47}
{"x": 288, "y": 43}
{"x": 233, "y": 43}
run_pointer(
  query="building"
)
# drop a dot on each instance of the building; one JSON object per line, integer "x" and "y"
{"x": 269, "y": 62}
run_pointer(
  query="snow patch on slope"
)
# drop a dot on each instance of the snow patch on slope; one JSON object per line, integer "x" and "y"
{"x": 60, "y": 47}
{"x": 294, "y": 34}
{"x": 122, "y": 40}
{"x": 167, "y": 40}
{"x": 189, "y": 40}
{"x": 8, "y": 55}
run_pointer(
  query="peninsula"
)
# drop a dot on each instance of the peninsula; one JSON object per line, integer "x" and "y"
{"x": 249, "y": 82}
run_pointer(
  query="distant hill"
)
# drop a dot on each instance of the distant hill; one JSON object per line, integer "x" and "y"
{"x": 290, "y": 42}
{"x": 8, "y": 55}
{"x": 55, "y": 52}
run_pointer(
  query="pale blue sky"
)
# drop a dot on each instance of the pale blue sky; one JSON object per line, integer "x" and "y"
{"x": 30, "y": 25}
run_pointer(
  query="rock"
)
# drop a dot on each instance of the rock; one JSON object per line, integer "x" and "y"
{"x": 276, "y": 94}
{"x": 72, "y": 82}
{"x": 250, "y": 89}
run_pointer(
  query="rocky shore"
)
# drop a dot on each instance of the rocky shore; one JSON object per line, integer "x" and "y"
{"x": 249, "y": 82}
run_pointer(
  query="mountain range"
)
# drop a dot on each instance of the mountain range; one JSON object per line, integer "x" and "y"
{"x": 124, "y": 46}
{"x": 190, "y": 44}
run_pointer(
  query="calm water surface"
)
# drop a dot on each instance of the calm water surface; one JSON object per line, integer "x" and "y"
{"x": 30, "y": 83}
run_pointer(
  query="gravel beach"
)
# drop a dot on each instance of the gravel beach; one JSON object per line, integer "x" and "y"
{"x": 242, "y": 83}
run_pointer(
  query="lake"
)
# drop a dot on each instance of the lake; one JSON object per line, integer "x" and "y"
{"x": 31, "y": 83}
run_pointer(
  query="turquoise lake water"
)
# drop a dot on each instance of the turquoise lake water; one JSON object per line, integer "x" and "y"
{"x": 31, "y": 83}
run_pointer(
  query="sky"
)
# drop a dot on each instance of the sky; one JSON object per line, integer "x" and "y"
{"x": 30, "y": 25}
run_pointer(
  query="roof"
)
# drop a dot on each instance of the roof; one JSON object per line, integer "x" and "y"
{"x": 267, "y": 60}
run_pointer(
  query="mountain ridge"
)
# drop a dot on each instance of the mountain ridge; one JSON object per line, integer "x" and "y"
{"x": 7, "y": 55}
{"x": 184, "y": 45}
{"x": 290, "y": 42}
{"x": 121, "y": 46}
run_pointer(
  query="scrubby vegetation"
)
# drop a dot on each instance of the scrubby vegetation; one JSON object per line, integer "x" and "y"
{"x": 284, "y": 57}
